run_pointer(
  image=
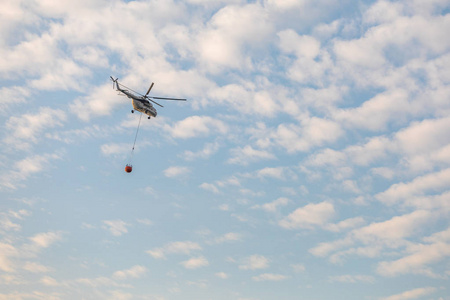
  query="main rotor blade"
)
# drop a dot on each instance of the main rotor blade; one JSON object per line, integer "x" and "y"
{"x": 149, "y": 88}
{"x": 155, "y": 102}
{"x": 163, "y": 98}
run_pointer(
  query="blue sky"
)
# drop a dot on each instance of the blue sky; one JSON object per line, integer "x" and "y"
{"x": 311, "y": 160}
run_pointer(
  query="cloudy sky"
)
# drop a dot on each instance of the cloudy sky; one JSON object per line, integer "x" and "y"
{"x": 311, "y": 160}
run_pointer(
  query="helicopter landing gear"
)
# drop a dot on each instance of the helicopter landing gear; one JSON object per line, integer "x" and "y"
{"x": 132, "y": 111}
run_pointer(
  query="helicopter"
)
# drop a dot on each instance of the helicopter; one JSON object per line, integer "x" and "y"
{"x": 141, "y": 102}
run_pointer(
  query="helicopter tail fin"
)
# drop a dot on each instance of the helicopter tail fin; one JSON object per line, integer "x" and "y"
{"x": 114, "y": 81}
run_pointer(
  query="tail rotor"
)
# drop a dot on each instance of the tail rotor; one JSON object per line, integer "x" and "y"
{"x": 114, "y": 81}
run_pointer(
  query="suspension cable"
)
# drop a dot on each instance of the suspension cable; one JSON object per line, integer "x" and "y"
{"x": 135, "y": 138}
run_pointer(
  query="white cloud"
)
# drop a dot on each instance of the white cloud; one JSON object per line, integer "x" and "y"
{"x": 349, "y": 185}
{"x": 156, "y": 253}
{"x": 35, "y": 267}
{"x": 20, "y": 214}
{"x": 373, "y": 59}
{"x": 33, "y": 53}
{"x": 313, "y": 132}
{"x": 134, "y": 272}
{"x": 375, "y": 114}
{"x": 422, "y": 145}
{"x": 75, "y": 135}
{"x": 228, "y": 237}
{"x": 248, "y": 98}
{"x": 384, "y": 172}
{"x": 360, "y": 52}
{"x": 363, "y": 155}
{"x": 176, "y": 171}
{"x": 325, "y": 248}
{"x": 221, "y": 44}
{"x": 174, "y": 248}
{"x": 209, "y": 187}
{"x": 231, "y": 181}
{"x": 425, "y": 144}
{"x": 120, "y": 295}
{"x": 91, "y": 56}
{"x": 382, "y": 12}
{"x": 272, "y": 206}
{"x": 116, "y": 227}
{"x": 310, "y": 63}
{"x": 115, "y": 149}
{"x": 45, "y": 239}
{"x": 195, "y": 262}
{"x": 34, "y": 164}
{"x": 101, "y": 101}
{"x": 395, "y": 229}
{"x": 39, "y": 55}
{"x": 49, "y": 281}
{"x": 345, "y": 224}
{"x": 302, "y": 46}
{"x": 284, "y": 5}
{"x": 424, "y": 136}
{"x": 255, "y": 262}
{"x": 192, "y": 84}
{"x": 309, "y": 216}
{"x": 6, "y": 223}
{"x": 8, "y": 279}
{"x": 251, "y": 193}
{"x": 196, "y": 126}
{"x": 224, "y": 207}
{"x": 25, "y": 168}
{"x": 28, "y": 128}
{"x": 182, "y": 247}
{"x": 298, "y": 268}
{"x": 246, "y": 155}
{"x": 145, "y": 222}
{"x": 352, "y": 278}
{"x": 11, "y": 256}
{"x": 327, "y": 157}
{"x": 375, "y": 238}
{"x": 324, "y": 98}
{"x": 99, "y": 282}
{"x": 411, "y": 294}
{"x": 222, "y": 275}
{"x": 277, "y": 172}
{"x": 417, "y": 261}
{"x": 14, "y": 16}
{"x": 65, "y": 77}
{"x": 7, "y": 251}
{"x": 9, "y": 96}
{"x": 208, "y": 150}
{"x": 431, "y": 182}
{"x": 438, "y": 237}
{"x": 269, "y": 277}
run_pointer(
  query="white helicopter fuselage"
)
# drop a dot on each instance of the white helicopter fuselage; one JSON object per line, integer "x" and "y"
{"x": 145, "y": 107}
{"x": 139, "y": 103}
